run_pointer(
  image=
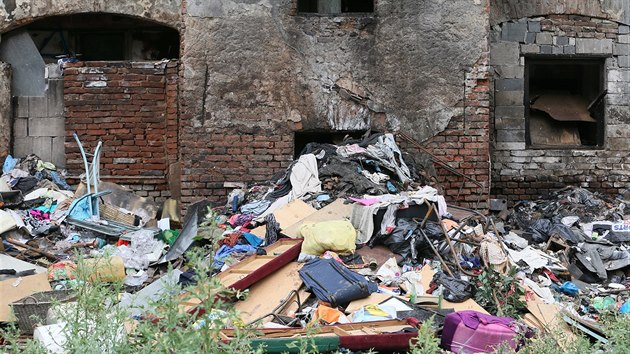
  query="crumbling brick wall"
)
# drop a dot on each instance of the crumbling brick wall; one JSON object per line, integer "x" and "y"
{"x": 464, "y": 144}
{"x": 132, "y": 109}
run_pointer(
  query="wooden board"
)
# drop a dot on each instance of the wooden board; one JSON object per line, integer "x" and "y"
{"x": 268, "y": 293}
{"x": 365, "y": 327}
{"x": 287, "y": 215}
{"x": 254, "y": 268}
{"x": 336, "y": 210}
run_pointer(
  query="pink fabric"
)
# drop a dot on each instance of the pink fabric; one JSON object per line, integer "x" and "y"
{"x": 366, "y": 202}
{"x": 473, "y": 332}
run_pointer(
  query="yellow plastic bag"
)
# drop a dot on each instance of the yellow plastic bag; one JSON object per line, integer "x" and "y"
{"x": 336, "y": 235}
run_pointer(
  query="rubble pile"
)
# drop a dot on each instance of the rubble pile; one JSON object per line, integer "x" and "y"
{"x": 349, "y": 245}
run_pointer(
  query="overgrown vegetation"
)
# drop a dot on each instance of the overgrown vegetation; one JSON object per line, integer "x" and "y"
{"x": 184, "y": 320}
{"x": 426, "y": 342}
{"x": 500, "y": 294}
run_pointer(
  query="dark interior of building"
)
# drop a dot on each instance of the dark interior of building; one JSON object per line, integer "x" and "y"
{"x": 566, "y": 102}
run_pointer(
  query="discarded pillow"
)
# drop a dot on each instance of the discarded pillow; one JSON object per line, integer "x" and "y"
{"x": 337, "y": 236}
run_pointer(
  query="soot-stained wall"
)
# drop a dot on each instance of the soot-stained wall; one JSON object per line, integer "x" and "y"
{"x": 254, "y": 72}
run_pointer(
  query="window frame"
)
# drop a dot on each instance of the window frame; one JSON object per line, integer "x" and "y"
{"x": 598, "y": 59}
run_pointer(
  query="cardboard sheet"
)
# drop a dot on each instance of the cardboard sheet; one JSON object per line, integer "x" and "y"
{"x": 267, "y": 294}
{"x": 288, "y": 215}
{"x": 548, "y": 317}
{"x": 14, "y": 289}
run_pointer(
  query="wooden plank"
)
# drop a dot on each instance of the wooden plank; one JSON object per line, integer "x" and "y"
{"x": 268, "y": 293}
{"x": 254, "y": 268}
{"x": 287, "y": 215}
{"x": 380, "y": 326}
{"x": 336, "y": 210}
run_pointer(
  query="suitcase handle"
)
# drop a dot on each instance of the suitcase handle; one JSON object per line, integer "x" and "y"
{"x": 342, "y": 271}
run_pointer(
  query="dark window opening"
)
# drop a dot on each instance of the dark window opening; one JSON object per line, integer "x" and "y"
{"x": 565, "y": 102}
{"x": 102, "y": 36}
{"x": 302, "y": 139}
{"x": 335, "y": 6}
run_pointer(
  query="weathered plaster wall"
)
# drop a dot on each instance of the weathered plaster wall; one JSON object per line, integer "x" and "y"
{"x": 261, "y": 68}
{"x": 257, "y": 68}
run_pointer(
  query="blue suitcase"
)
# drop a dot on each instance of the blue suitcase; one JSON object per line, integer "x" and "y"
{"x": 334, "y": 283}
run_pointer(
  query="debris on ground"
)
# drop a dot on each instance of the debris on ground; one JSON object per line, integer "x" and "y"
{"x": 349, "y": 246}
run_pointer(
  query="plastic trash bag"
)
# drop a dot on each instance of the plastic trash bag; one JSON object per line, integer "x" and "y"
{"x": 336, "y": 235}
{"x": 9, "y": 164}
{"x": 455, "y": 290}
{"x": 543, "y": 229}
{"x": 567, "y": 288}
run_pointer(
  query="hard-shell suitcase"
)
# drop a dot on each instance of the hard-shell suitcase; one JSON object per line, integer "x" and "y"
{"x": 334, "y": 283}
{"x": 474, "y": 332}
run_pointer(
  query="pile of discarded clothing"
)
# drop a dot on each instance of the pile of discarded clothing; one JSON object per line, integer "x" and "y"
{"x": 31, "y": 190}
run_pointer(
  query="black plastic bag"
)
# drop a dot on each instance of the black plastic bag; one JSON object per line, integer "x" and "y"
{"x": 543, "y": 229}
{"x": 404, "y": 240}
{"x": 540, "y": 230}
{"x": 455, "y": 290}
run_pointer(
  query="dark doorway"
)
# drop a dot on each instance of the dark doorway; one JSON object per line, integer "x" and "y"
{"x": 301, "y": 139}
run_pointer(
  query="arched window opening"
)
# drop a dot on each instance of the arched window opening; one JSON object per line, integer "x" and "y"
{"x": 103, "y": 37}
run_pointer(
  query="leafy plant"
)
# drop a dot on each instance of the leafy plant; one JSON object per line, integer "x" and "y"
{"x": 426, "y": 342}
{"x": 500, "y": 294}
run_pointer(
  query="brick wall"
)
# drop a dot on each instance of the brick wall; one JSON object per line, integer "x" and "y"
{"x": 464, "y": 144}
{"x": 231, "y": 156}
{"x": 132, "y": 108}
{"x": 522, "y": 172}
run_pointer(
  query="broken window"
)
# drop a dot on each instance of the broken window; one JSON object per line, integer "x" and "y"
{"x": 565, "y": 102}
{"x": 335, "y": 6}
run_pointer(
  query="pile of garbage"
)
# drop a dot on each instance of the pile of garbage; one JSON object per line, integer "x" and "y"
{"x": 349, "y": 243}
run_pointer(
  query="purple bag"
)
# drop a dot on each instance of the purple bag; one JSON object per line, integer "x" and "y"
{"x": 474, "y": 332}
